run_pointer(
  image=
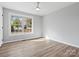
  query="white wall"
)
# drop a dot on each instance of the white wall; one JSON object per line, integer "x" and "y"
{"x": 63, "y": 25}
{"x": 37, "y": 27}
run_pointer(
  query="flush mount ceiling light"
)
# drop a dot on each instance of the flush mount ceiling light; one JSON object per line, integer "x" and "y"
{"x": 37, "y": 7}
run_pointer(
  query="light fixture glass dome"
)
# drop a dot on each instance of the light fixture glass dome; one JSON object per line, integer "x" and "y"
{"x": 37, "y": 8}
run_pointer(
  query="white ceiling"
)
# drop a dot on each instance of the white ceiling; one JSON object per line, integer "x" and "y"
{"x": 29, "y": 7}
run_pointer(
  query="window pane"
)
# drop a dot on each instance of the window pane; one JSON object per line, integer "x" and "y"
{"x": 21, "y": 24}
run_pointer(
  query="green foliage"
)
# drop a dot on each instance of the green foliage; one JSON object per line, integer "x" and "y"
{"x": 29, "y": 23}
{"x": 16, "y": 23}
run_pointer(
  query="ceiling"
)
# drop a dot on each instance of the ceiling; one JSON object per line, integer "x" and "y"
{"x": 29, "y": 7}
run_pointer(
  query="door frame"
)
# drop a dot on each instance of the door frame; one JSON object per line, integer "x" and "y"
{"x": 1, "y": 15}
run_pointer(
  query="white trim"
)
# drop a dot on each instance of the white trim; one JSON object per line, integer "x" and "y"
{"x": 9, "y": 28}
{"x": 20, "y": 39}
{"x": 1, "y": 25}
{"x": 70, "y": 44}
{"x": 13, "y": 40}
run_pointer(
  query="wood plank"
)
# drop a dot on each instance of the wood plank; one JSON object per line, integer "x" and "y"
{"x": 38, "y": 48}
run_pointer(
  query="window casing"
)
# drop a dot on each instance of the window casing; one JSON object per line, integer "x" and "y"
{"x": 20, "y": 24}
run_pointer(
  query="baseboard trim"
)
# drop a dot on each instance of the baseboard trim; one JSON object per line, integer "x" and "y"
{"x": 21, "y": 40}
{"x": 70, "y": 44}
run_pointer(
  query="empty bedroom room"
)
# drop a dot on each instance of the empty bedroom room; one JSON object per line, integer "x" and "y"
{"x": 39, "y": 29}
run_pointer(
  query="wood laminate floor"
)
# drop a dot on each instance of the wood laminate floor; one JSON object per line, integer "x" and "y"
{"x": 38, "y": 48}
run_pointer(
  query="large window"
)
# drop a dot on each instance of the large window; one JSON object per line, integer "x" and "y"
{"x": 20, "y": 24}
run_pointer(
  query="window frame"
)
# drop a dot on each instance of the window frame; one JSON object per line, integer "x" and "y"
{"x": 16, "y": 14}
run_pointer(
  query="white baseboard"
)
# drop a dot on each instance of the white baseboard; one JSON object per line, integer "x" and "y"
{"x": 19, "y": 40}
{"x": 70, "y": 44}
{"x": 12, "y": 41}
